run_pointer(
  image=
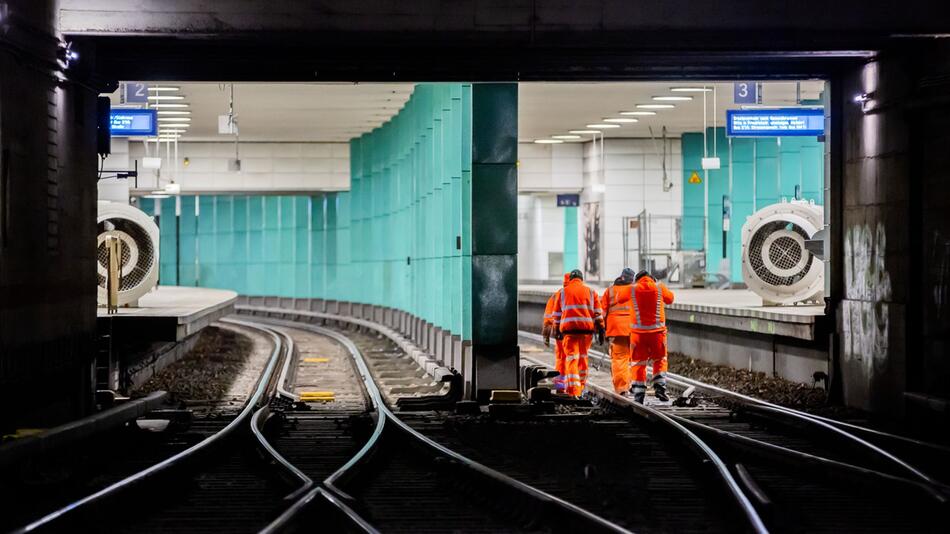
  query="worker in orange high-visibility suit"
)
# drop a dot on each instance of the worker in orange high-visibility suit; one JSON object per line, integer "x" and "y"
{"x": 648, "y": 335}
{"x": 616, "y": 303}
{"x": 577, "y": 317}
{"x": 547, "y": 329}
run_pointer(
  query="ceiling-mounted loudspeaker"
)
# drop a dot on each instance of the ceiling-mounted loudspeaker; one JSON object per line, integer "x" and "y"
{"x": 139, "y": 259}
{"x": 776, "y": 264}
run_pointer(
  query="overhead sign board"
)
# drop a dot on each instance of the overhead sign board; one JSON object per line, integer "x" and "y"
{"x": 132, "y": 122}
{"x": 775, "y": 122}
{"x": 746, "y": 93}
{"x": 136, "y": 93}
{"x": 568, "y": 201}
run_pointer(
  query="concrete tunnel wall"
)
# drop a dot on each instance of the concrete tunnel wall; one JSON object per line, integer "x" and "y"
{"x": 889, "y": 209}
{"x": 47, "y": 226}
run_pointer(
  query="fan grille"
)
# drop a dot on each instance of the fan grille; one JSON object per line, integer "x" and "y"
{"x": 784, "y": 252}
{"x": 137, "y": 274}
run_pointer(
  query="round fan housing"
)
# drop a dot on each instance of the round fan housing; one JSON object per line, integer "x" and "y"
{"x": 775, "y": 263}
{"x": 139, "y": 264}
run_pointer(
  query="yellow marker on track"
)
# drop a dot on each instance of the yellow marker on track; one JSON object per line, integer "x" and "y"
{"x": 316, "y": 360}
{"x": 317, "y": 396}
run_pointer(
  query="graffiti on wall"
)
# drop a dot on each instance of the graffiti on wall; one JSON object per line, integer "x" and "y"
{"x": 940, "y": 267}
{"x": 866, "y": 321}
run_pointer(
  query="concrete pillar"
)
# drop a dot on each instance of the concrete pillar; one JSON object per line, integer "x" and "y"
{"x": 47, "y": 224}
{"x": 894, "y": 255}
{"x": 571, "y": 260}
{"x": 494, "y": 220}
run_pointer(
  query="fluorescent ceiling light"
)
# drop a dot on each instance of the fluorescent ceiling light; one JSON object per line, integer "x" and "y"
{"x": 548, "y": 141}
{"x": 170, "y": 106}
{"x": 165, "y": 97}
{"x": 174, "y": 119}
{"x": 164, "y": 112}
{"x": 602, "y": 126}
{"x": 164, "y": 88}
{"x": 584, "y": 131}
{"x": 655, "y": 106}
{"x": 691, "y": 89}
{"x": 623, "y": 120}
{"x": 157, "y": 195}
{"x": 171, "y": 130}
{"x": 638, "y": 113}
{"x": 673, "y": 98}
{"x": 565, "y": 137}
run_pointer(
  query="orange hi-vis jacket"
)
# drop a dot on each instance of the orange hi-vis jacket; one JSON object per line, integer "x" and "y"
{"x": 549, "y": 307}
{"x": 617, "y": 309}
{"x": 578, "y": 310}
{"x": 649, "y": 311}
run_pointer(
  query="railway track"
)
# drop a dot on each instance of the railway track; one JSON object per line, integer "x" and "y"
{"x": 402, "y": 481}
{"x": 218, "y": 483}
{"x": 801, "y": 472}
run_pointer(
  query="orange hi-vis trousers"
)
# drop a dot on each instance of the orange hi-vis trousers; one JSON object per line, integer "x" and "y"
{"x": 620, "y": 366}
{"x": 575, "y": 347}
{"x": 648, "y": 347}
{"x": 559, "y": 366}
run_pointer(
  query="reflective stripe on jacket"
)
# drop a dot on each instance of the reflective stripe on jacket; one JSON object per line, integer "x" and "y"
{"x": 578, "y": 309}
{"x": 617, "y": 309}
{"x": 549, "y": 308}
{"x": 649, "y": 310}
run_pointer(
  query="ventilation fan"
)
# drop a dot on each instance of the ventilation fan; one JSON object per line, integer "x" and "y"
{"x": 776, "y": 265}
{"x": 139, "y": 263}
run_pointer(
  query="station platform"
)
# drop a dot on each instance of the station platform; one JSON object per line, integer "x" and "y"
{"x": 170, "y": 313}
{"x": 158, "y": 332}
{"x": 729, "y": 327}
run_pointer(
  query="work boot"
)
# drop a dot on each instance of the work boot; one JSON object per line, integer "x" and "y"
{"x": 639, "y": 397}
{"x": 659, "y": 390}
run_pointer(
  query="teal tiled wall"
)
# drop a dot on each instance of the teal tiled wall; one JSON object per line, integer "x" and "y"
{"x": 763, "y": 171}
{"x": 401, "y": 237}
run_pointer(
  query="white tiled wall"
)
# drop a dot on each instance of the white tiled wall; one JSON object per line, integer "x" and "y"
{"x": 540, "y": 232}
{"x": 634, "y": 179}
{"x": 264, "y": 166}
{"x": 550, "y": 167}
{"x": 634, "y": 182}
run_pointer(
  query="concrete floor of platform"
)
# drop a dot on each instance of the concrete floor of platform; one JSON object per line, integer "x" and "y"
{"x": 738, "y": 299}
{"x": 176, "y": 301}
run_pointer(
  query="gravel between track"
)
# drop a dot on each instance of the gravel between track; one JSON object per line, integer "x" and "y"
{"x": 222, "y": 368}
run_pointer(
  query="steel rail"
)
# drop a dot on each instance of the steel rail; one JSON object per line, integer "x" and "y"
{"x": 132, "y": 481}
{"x": 385, "y": 415}
{"x": 822, "y": 423}
{"x": 291, "y": 352}
{"x": 741, "y": 500}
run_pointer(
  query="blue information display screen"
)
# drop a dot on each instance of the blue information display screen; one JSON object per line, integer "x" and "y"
{"x": 568, "y": 201}
{"x": 775, "y": 122}
{"x": 132, "y": 122}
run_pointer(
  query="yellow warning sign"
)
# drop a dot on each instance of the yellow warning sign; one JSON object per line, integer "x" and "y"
{"x": 695, "y": 179}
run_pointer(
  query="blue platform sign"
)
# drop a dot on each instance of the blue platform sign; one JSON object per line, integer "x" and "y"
{"x": 136, "y": 93}
{"x": 568, "y": 201}
{"x": 802, "y": 122}
{"x": 132, "y": 122}
{"x": 745, "y": 93}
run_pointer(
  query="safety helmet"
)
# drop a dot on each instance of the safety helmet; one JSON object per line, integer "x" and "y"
{"x": 641, "y": 274}
{"x": 576, "y": 273}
